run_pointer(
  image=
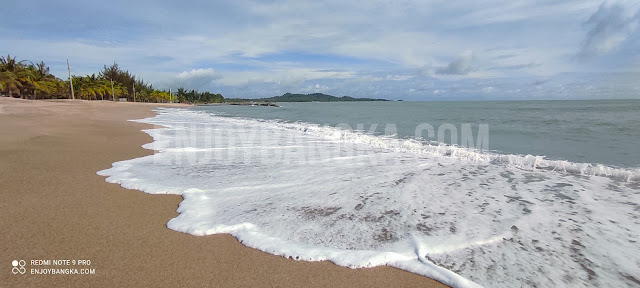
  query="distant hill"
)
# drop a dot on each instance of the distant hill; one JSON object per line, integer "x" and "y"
{"x": 315, "y": 97}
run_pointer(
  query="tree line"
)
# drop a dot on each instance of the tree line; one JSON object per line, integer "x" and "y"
{"x": 19, "y": 79}
{"x": 24, "y": 79}
{"x": 193, "y": 96}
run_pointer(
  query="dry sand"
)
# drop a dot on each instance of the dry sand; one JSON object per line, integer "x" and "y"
{"x": 54, "y": 206}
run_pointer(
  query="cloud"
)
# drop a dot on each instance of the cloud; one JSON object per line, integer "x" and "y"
{"x": 488, "y": 89}
{"x": 317, "y": 88}
{"x": 290, "y": 83}
{"x": 398, "y": 77}
{"x": 196, "y": 78}
{"x": 460, "y": 66}
{"x": 516, "y": 66}
{"x": 609, "y": 27}
{"x": 521, "y": 66}
{"x": 266, "y": 48}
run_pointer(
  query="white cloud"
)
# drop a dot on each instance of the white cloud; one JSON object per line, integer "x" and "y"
{"x": 283, "y": 74}
{"x": 207, "y": 73}
{"x": 398, "y": 77}
{"x": 291, "y": 83}
{"x": 462, "y": 65}
{"x": 317, "y": 88}
{"x": 196, "y": 78}
{"x": 508, "y": 12}
{"x": 488, "y": 89}
{"x": 609, "y": 26}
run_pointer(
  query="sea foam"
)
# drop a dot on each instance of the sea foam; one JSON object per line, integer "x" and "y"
{"x": 463, "y": 217}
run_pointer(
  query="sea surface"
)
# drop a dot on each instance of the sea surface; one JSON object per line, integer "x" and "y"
{"x": 495, "y": 194}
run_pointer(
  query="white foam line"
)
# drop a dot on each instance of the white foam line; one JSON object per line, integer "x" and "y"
{"x": 526, "y": 162}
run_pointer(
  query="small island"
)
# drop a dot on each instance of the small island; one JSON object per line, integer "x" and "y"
{"x": 289, "y": 97}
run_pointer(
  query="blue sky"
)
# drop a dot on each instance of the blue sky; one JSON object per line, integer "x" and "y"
{"x": 411, "y": 50}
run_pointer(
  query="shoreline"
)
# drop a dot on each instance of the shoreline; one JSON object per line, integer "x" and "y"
{"x": 59, "y": 208}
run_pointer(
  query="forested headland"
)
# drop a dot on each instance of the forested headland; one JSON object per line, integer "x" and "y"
{"x": 315, "y": 97}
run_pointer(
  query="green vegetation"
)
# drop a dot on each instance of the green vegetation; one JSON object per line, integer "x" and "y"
{"x": 194, "y": 96}
{"x": 33, "y": 81}
{"x": 94, "y": 88}
{"x": 316, "y": 97}
{"x": 18, "y": 79}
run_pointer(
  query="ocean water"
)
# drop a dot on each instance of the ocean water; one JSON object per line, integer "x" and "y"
{"x": 601, "y": 131}
{"x": 496, "y": 194}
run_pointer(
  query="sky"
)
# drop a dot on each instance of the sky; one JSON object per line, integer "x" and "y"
{"x": 410, "y": 50}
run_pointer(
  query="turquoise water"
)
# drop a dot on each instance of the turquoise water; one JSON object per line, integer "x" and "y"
{"x": 601, "y": 131}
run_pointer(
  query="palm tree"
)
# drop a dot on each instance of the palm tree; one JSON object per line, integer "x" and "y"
{"x": 10, "y": 64}
{"x": 90, "y": 87}
{"x": 32, "y": 81}
{"x": 96, "y": 87}
{"x": 43, "y": 71}
{"x": 118, "y": 90}
{"x": 10, "y": 71}
{"x": 81, "y": 86}
{"x": 9, "y": 83}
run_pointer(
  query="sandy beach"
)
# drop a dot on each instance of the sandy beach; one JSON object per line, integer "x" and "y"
{"x": 56, "y": 207}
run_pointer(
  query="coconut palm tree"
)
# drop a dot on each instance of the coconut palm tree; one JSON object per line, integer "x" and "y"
{"x": 32, "y": 82}
{"x": 10, "y": 64}
{"x": 119, "y": 90}
{"x": 96, "y": 86}
{"x": 43, "y": 71}
{"x": 10, "y": 74}
{"x": 9, "y": 83}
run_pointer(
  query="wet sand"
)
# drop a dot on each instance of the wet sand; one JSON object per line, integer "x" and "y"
{"x": 54, "y": 206}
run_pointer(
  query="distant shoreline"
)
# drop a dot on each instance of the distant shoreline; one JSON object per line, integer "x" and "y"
{"x": 315, "y": 97}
